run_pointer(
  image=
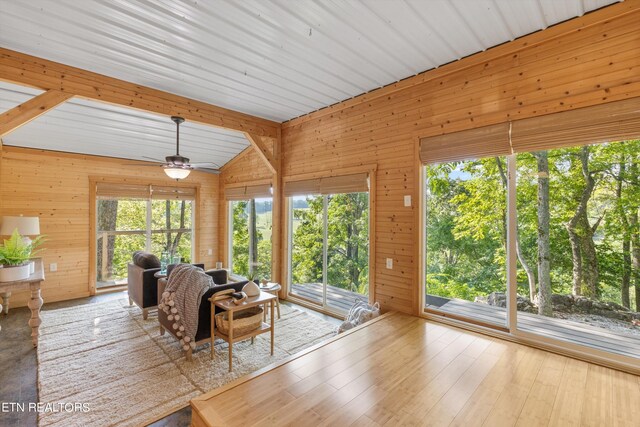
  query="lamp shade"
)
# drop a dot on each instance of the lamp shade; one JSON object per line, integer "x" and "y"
{"x": 26, "y": 225}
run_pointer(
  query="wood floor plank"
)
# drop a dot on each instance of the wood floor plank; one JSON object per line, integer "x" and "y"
{"x": 598, "y": 398}
{"x": 446, "y": 409}
{"x": 567, "y": 408}
{"x": 479, "y": 405}
{"x": 539, "y": 403}
{"x": 507, "y": 408}
{"x": 405, "y": 370}
{"x": 298, "y": 412}
{"x": 626, "y": 395}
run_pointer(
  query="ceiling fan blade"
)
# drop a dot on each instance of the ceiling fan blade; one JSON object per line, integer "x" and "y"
{"x": 140, "y": 164}
{"x": 155, "y": 160}
{"x": 207, "y": 170}
{"x": 208, "y": 165}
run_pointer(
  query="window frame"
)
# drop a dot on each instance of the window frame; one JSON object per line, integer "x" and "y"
{"x": 511, "y": 332}
{"x": 229, "y": 239}
{"x": 93, "y": 183}
{"x": 370, "y": 170}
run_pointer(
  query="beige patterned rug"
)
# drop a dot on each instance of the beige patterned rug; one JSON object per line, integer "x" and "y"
{"x": 107, "y": 356}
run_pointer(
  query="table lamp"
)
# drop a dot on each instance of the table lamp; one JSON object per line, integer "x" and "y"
{"x": 26, "y": 226}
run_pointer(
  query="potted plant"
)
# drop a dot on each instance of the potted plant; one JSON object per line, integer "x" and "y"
{"x": 15, "y": 254}
{"x": 251, "y": 288}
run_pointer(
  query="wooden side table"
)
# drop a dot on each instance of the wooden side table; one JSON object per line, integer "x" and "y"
{"x": 229, "y": 306}
{"x": 32, "y": 283}
{"x": 272, "y": 288}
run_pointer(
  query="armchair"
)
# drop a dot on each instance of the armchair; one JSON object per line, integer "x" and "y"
{"x": 142, "y": 283}
{"x": 203, "y": 334}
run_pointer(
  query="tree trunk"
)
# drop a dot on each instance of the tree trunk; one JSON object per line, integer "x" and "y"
{"x": 176, "y": 240}
{"x": 353, "y": 246}
{"x": 167, "y": 224}
{"x": 635, "y": 255}
{"x": 626, "y": 271}
{"x": 531, "y": 276}
{"x": 591, "y": 271}
{"x": 253, "y": 236}
{"x": 545, "y": 306}
{"x": 576, "y": 257}
{"x": 626, "y": 239}
{"x": 585, "y": 262}
{"x": 107, "y": 220}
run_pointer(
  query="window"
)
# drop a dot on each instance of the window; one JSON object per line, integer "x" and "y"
{"x": 578, "y": 276}
{"x": 140, "y": 217}
{"x": 329, "y": 241}
{"x": 466, "y": 238}
{"x": 250, "y": 237}
{"x": 538, "y": 234}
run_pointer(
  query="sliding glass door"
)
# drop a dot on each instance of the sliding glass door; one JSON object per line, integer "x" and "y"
{"x": 466, "y": 241}
{"x": 574, "y": 245}
{"x": 250, "y": 237}
{"x": 328, "y": 249}
{"x": 578, "y": 213}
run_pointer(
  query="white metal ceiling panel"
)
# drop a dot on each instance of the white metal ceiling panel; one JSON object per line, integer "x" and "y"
{"x": 276, "y": 59}
{"x": 88, "y": 127}
{"x": 13, "y": 95}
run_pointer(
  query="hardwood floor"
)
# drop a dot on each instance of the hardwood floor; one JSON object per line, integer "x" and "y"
{"x": 404, "y": 370}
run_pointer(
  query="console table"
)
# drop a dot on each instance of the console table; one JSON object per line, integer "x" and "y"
{"x": 32, "y": 283}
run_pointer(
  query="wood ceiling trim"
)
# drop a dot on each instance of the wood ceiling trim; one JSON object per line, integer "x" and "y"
{"x": 16, "y": 67}
{"x": 31, "y": 109}
{"x": 258, "y": 143}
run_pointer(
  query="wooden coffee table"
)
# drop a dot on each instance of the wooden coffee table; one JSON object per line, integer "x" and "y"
{"x": 228, "y": 305}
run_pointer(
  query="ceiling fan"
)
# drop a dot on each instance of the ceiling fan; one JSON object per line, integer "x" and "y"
{"x": 178, "y": 167}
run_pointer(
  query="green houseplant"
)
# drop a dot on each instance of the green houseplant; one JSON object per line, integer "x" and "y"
{"x": 15, "y": 254}
{"x": 251, "y": 288}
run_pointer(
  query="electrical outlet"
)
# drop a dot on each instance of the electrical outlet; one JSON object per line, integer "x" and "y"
{"x": 210, "y": 252}
{"x": 407, "y": 201}
{"x": 390, "y": 263}
{"x": 53, "y": 266}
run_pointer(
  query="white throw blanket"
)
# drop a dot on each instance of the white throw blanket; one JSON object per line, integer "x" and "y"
{"x": 181, "y": 301}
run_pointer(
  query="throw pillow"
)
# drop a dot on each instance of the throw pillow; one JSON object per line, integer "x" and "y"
{"x": 145, "y": 260}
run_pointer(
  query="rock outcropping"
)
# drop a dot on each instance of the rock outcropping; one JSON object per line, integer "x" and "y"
{"x": 567, "y": 304}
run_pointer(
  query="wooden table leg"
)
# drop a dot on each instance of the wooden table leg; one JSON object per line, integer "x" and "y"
{"x": 213, "y": 330}
{"x": 230, "y": 341}
{"x": 278, "y": 305}
{"x": 5, "y": 299}
{"x": 272, "y": 329}
{"x": 34, "y": 304}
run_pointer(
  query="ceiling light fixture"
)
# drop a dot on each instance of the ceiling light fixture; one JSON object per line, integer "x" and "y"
{"x": 177, "y": 172}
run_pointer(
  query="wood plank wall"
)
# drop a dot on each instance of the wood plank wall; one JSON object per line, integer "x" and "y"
{"x": 55, "y": 187}
{"x": 586, "y": 61}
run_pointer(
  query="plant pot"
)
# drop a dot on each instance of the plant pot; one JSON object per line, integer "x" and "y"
{"x": 11, "y": 273}
{"x": 251, "y": 289}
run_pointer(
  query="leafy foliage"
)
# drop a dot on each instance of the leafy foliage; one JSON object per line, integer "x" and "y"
{"x": 14, "y": 251}
{"x": 347, "y": 217}
{"x": 466, "y": 222}
{"x": 260, "y": 265}
{"x": 131, "y": 216}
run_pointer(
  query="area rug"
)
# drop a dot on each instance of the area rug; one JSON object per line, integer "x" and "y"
{"x": 106, "y": 357}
